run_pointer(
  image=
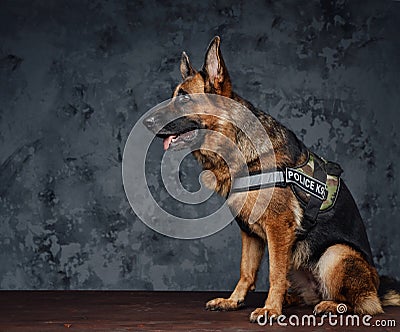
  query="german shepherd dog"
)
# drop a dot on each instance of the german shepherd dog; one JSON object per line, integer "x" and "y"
{"x": 322, "y": 265}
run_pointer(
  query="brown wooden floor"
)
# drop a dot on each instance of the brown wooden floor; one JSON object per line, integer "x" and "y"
{"x": 140, "y": 311}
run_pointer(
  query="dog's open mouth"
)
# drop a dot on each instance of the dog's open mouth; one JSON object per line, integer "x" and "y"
{"x": 179, "y": 140}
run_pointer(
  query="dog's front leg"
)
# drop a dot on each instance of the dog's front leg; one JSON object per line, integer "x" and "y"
{"x": 252, "y": 253}
{"x": 280, "y": 240}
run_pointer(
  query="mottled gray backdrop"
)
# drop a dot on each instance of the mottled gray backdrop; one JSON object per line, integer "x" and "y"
{"x": 76, "y": 75}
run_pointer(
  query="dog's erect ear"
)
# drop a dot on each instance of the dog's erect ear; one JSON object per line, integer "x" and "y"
{"x": 186, "y": 67}
{"x": 215, "y": 68}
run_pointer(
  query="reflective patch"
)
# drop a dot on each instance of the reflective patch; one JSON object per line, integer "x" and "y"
{"x": 306, "y": 183}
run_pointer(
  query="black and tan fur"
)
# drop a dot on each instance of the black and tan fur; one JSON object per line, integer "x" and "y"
{"x": 300, "y": 270}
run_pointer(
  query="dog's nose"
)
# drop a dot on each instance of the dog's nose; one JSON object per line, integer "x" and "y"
{"x": 149, "y": 122}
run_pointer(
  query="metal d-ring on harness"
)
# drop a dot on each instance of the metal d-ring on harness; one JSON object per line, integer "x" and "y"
{"x": 314, "y": 185}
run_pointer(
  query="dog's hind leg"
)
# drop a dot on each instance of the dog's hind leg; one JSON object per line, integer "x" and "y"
{"x": 346, "y": 277}
{"x": 252, "y": 252}
{"x": 304, "y": 288}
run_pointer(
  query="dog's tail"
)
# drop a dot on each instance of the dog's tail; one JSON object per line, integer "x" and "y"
{"x": 389, "y": 291}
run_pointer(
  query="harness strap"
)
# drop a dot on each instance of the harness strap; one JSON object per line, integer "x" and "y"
{"x": 259, "y": 181}
{"x": 315, "y": 185}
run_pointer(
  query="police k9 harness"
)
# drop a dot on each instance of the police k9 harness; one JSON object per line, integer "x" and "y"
{"x": 315, "y": 184}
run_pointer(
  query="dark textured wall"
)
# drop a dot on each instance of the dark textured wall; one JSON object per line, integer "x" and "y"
{"x": 76, "y": 75}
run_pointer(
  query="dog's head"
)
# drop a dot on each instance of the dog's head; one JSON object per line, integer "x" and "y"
{"x": 189, "y": 106}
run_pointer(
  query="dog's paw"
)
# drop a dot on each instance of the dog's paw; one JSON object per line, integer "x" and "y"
{"x": 265, "y": 313}
{"x": 223, "y": 304}
{"x": 325, "y": 307}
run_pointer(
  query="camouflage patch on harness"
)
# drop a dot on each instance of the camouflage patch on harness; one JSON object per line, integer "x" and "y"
{"x": 332, "y": 183}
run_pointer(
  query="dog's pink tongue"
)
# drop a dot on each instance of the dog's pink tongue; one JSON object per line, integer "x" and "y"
{"x": 167, "y": 142}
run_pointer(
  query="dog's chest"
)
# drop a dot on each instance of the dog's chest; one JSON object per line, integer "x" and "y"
{"x": 251, "y": 229}
{"x": 248, "y": 209}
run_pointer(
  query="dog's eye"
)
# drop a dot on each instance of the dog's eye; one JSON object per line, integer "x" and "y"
{"x": 184, "y": 98}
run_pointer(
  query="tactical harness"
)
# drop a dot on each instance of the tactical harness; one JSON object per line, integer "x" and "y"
{"x": 316, "y": 184}
{"x": 330, "y": 214}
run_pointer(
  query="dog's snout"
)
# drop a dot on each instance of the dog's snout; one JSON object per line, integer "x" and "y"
{"x": 149, "y": 122}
